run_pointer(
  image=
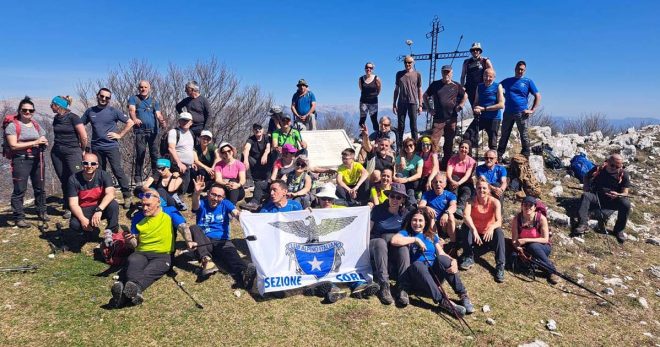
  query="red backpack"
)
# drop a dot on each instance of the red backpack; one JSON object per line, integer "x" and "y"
{"x": 12, "y": 118}
{"x": 115, "y": 252}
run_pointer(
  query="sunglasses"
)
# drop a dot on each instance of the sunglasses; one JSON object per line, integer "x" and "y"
{"x": 426, "y": 145}
{"x": 90, "y": 163}
{"x": 27, "y": 110}
{"x": 216, "y": 196}
{"x": 147, "y": 195}
{"x": 227, "y": 151}
{"x": 303, "y": 165}
{"x": 103, "y": 97}
{"x": 410, "y": 146}
{"x": 408, "y": 62}
{"x": 396, "y": 197}
{"x": 161, "y": 168}
{"x": 287, "y": 153}
{"x": 368, "y": 68}
{"x": 491, "y": 158}
{"x": 326, "y": 199}
{"x": 385, "y": 124}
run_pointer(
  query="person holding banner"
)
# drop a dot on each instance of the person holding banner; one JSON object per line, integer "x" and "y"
{"x": 210, "y": 237}
{"x": 387, "y": 220}
{"x": 427, "y": 256}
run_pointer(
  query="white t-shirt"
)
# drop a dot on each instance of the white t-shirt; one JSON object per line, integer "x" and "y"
{"x": 185, "y": 148}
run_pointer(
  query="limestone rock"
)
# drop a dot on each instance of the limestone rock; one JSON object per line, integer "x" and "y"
{"x": 643, "y": 302}
{"x": 557, "y": 191}
{"x": 536, "y": 164}
{"x": 551, "y": 325}
{"x": 558, "y": 218}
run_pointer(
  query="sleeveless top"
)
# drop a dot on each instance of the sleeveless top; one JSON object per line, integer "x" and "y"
{"x": 530, "y": 231}
{"x": 369, "y": 94}
{"x": 474, "y": 73}
{"x": 482, "y": 216}
{"x": 488, "y": 97}
{"x": 294, "y": 183}
{"x": 428, "y": 164}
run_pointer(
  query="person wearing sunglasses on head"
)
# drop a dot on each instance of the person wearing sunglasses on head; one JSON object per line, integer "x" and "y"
{"x": 26, "y": 142}
{"x": 166, "y": 183}
{"x": 370, "y": 86}
{"x": 91, "y": 196}
{"x": 606, "y": 187}
{"x": 209, "y": 238}
{"x": 69, "y": 143}
{"x": 299, "y": 182}
{"x": 495, "y": 174}
{"x": 386, "y": 221}
{"x": 105, "y": 137}
{"x": 230, "y": 173}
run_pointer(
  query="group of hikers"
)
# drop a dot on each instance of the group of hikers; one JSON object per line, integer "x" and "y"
{"x": 426, "y": 205}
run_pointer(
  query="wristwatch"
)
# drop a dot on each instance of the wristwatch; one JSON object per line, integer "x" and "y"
{"x": 98, "y": 209}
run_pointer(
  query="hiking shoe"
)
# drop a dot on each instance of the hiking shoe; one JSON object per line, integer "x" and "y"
{"x": 466, "y": 263}
{"x": 499, "y": 273}
{"x": 621, "y": 237}
{"x": 208, "y": 267}
{"x": 66, "y": 215}
{"x": 467, "y": 304}
{"x": 581, "y": 229}
{"x": 553, "y": 279}
{"x": 248, "y": 276}
{"x": 118, "y": 298}
{"x": 133, "y": 292}
{"x": 450, "y": 307}
{"x": 320, "y": 289}
{"x": 384, "y": 294}
{"x": 22, "y": 224}
{"x": 335, "y": 294}
{"x": 403, "y": 300}
{"x": 364, "y": 290}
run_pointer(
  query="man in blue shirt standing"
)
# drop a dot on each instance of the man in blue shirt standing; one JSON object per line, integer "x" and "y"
{"x": 278, "y": 201}
{"x": 303, "y": 105}
{"x": 489, "y": 101}
{"x": 494, "y": 174}
{"x": 105, "y": 137}
{"x": 516, "y": 91}
{"x": 210, "y": 237}
{"x": 145, "y": 113}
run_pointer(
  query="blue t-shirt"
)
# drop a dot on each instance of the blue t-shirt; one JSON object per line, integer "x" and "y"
{"x": 516, "y": 92}
{"x": 416, "y": 252}
{"x": 291, "y": 205}
{"x": 215, "y": 222}
{"x": 439, "y": 203}
{"x": 175, "y": 215}
{"x": 384, "y": 221}
{"x": 146, "y": 110}
{"x": 488, "y": 97}
{"x": 104, "y": 120}
{"x": 303, "y": 103}
{"x": 493, "y": 175}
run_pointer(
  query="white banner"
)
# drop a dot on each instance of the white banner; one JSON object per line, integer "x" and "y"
{"x": 296, "y": 249}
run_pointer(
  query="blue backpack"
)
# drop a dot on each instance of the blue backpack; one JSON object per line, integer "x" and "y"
{"x": 580, "y": 166}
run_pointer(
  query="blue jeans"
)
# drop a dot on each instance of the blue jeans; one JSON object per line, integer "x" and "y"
{"x": 540, "y": 252}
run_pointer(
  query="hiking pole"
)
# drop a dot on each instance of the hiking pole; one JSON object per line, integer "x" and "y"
{"x": 172, "y": 274}
{"x": 456, "y": 50}
{"x": 53, "y": 248}
{"x": 247, "y": 238}
{"x": 567, "y": 278}
{"x": 22, "y": 268}
{"x": 444, "y": 294}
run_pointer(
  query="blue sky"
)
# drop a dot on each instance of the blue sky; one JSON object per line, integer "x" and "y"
{"x": 585, "y": 56}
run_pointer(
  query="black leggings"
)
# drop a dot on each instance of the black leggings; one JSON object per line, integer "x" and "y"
{"x": 66, "y": 162}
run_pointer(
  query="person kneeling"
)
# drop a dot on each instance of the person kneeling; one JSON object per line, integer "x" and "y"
{"x": 530, "y": 232}
{"x": 429, "y": 261}
{"x": 210, "y": 237}
{"x": 152, "y": 237}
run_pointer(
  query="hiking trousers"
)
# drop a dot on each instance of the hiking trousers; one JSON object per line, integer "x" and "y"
{"x": 66, "y": 162}
{"x": 144, "y": 138}
{"x": 380, "y": 251}
{"x": 490, "y": 126}
{"x": 145, "y": 268}
{"x": 110, "y": 214}
{"x": 113, "y": 156}
{"x": 495, "y": 244}
{"x": 401, "y": 110}
{"x": 420, "y": 278}
{"x": 222, "y": 251}
{"x": 446, "y": 128}
{"x": 22, "y": 169}
{"x": 520, "y": 120}
{"x": 590, "y": 201}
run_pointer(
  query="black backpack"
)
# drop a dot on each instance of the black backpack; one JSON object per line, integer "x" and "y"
{"x": 164, "y": 145}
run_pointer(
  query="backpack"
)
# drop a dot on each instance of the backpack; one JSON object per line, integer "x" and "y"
{"x": 12, "y": 118}
{"x": 520, "y": 169}
{"x": 580, "y": 166}
{"x": 550, "y": 160}
{"x": 164, "y": 145}
{"x": 541, "y": 210}
{"x": 114, "y": 249}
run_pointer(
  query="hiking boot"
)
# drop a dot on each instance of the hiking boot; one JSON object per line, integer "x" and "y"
{"x": 553, "y": 279}
{"x": 450, "y": 307}
{"x": 581, "y": 229}
{"x": 364, "y": 290}
{"x": 118, "y": 298}
{"x": 466, "y": 263}
{"x": 320, "y": 289}
{"x": 403, "y": 300}
{"x": 43, "y": 217}
{"x": 248, "y": 276}
{"x": 133, "y": 292}
{"x": 66, "y": 215}
{"x": 620, "y": 237}
{"x": 208, "y": 267}
{"x": 467, "y": 304}
{"x": 22, "y": 224}
{"x": 335, "y": 294}
{"x": 499, "y": 273}
{"x": 384, "y": 294}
